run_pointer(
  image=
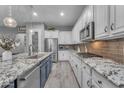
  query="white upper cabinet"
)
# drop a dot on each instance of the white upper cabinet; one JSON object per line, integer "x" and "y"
{"x": 86, "y": 16}
{"x": 65, "y": 37}
{"x": 117, "y": 21}
{"x": 109, "y": 21}
{"x": 101, "y": 18}
{"x": 119, "y": 16}
{"x": 51, "y": 34}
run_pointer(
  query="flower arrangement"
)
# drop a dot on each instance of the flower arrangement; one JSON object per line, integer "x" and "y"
{"x": 8, "y": 44}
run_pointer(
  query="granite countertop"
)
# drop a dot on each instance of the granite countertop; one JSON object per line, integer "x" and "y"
{"x": 108, "y": 68}
{"x": 10, "y": 71}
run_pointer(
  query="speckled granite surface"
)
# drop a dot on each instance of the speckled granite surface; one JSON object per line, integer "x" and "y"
{"x": 10, "y": 71}
{"x": 108, "y": 68}
{"x": 111, "y": 70}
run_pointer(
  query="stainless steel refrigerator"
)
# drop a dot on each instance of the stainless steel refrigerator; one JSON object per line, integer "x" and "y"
{"x": 51, "y": 45}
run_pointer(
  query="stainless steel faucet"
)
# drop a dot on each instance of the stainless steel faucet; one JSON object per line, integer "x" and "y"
{"x": 30, "y": 50}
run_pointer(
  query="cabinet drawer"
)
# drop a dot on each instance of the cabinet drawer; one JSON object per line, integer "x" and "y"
{"x": 79, "y": 74}
{"x": 101, "y": 81}
{"x": 86, "y": 68}
{"x": 86, "y": 80}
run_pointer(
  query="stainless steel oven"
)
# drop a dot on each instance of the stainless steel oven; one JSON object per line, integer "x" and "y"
{"x": 87, "y": 33}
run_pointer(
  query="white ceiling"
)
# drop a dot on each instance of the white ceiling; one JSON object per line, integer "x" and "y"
{"x": 48, "y": 14}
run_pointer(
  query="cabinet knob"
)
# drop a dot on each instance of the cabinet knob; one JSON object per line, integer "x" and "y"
{"x": 100, "y": 82}
{"x": 112, "y": 26}
{"x": 76, "y": 66}
{"x": 106, "y": 29}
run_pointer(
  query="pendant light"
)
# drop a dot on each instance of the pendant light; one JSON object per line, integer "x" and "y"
{"x": 9, "y": 21}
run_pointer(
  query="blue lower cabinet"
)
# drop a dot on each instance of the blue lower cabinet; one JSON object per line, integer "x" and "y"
{"x": 43, "y": 75}
{"x": 48, "y": 67}
{"x": 12, "y": 84}
{"x": 50, "y": 64}
{"x": 45, "y": 70}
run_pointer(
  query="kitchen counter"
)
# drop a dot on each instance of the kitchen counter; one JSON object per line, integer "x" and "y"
{"x": 111, "y": 70}
{"x": 108, "y": 68}
{"x": 22, "y": 63}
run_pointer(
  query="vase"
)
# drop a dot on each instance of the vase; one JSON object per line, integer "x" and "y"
{"x": 7, "y": 56}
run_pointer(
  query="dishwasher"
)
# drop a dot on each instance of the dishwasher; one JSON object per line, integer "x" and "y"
{"x": 30, "y": 79}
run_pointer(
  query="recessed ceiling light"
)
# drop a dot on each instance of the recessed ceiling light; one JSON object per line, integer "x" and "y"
{"x": 61, "y": 14}
{"x": 35, "y": 14}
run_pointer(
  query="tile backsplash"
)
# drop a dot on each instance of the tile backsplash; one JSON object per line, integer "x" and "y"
{"x": 113, "y": 49}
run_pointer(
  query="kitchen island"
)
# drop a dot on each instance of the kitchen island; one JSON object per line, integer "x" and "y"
{"x": 17, "y": 73}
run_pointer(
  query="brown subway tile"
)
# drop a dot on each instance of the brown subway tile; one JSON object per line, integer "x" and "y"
{"x": 113, "y": 49}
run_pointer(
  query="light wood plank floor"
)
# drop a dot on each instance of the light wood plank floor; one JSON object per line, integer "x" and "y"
{"x": 61, "y": 76}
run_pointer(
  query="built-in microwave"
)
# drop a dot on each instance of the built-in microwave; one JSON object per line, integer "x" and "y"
{"x": 87, "y": 33}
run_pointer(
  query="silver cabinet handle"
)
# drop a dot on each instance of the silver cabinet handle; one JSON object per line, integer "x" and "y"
{"x": 106, "y": 29}
{"x": 100, "y": 82}
{"x": 112, "y": 26}
{"x": 84, "y": 67}
{"x": 76, "y": 66}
